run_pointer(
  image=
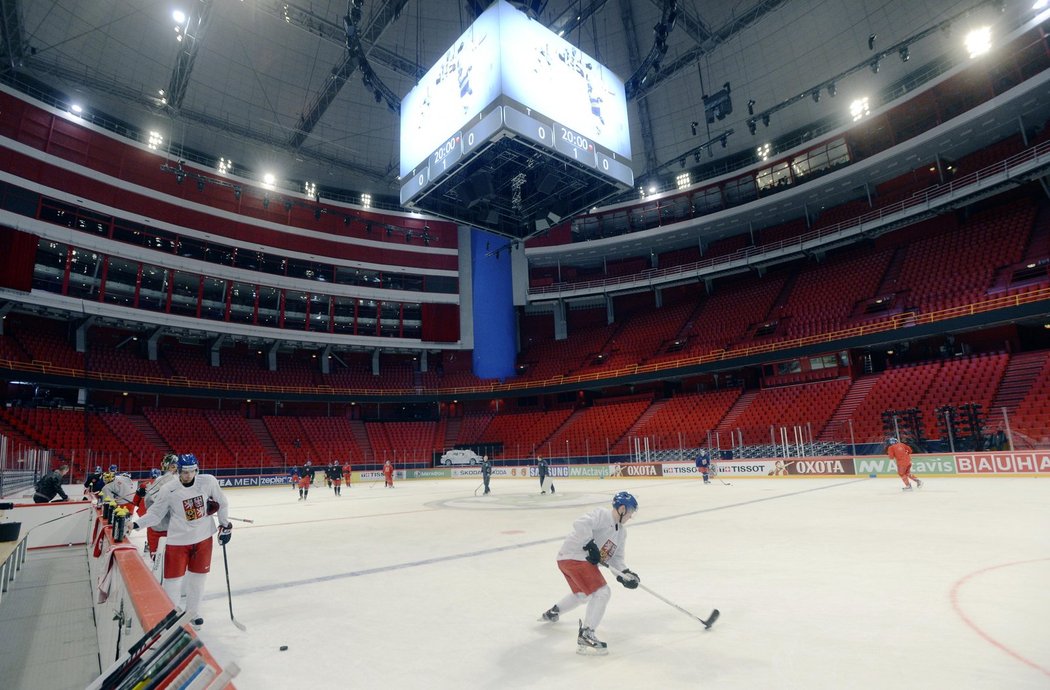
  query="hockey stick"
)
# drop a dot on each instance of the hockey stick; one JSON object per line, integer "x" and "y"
{"x": 707, "y": 624}
{"x": 250, "y": 522}
{"x": 229, "y": 594}
{"x": 718, "y": 476}
{"x": 479, "y": 486}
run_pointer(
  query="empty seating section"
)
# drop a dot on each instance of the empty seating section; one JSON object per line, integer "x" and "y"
{"x": 823, "y": 297}
{"x": 1030, "y": 423}
{"x": 524, "y": 433}
{"x": 809, "y": 406}
{"x": 956, "y": 267}
{"x": 190, "y": 431}
{"x": 46, "y": 341}
{"x": 76, "y": 437}
{"x": 333, "y": 439}
{"x": 472, "y": 427}
{"x": 639, "y": 337}
{"x": 962, "y": 380}
{"x": 292, "y": 442}
{"x": 681, "y": 422}
{"x": 405, "y": 441}
{"x": 896, "y": 389}
{"x": 238, "y": 437}
{"x": 593, "y": 430}
{"x": 725, "y": 317}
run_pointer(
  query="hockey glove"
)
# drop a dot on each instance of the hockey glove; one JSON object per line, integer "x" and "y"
{"x": 213, "y": 506}
{"x": 594, "y": 556}
{"x": 629, "y": 579}
{"x": 226, "y": 532}
{"x": 140, "y": 492}
{"x": 134, "y": 525}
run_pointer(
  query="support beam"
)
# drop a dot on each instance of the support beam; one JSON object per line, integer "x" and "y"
{"x": 193, "y": 35}
{"x": 384, "y": 15}
{"x": 213, "y": 349}
{"x": 12, "y": 34}
{"x": 719, "y": 36}
{"x": 645, "y": 122}
{"x": 82, "y": 331}
{"x": 326, "y": 366}
{"x": 271, "y": 356}
{"x": 151, "y": 343}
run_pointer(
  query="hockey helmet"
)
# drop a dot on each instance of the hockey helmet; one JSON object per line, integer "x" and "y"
{"x": 170, "y": 460}
{"x": 188, "y": 462}
{"x": 113, "y": 469}
{"x": 891, "y": 440}
{"x": 98, "y": 469}
{"x": 154, "y": 473}
{"x": 625, "y": 500}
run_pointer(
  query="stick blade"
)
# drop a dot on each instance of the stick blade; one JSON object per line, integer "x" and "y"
{"x": 711, "y": 619}
{"x": 240, "y": 626}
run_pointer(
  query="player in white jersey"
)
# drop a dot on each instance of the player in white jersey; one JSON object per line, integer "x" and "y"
{"x": 189, "y": 504}
{"x": 169, "y": 467}
{"x": 599, "y": 536}
{"x": 121, "y": 489}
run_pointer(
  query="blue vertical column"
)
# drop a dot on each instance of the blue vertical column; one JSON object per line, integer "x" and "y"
{"x": 495, "y": 335}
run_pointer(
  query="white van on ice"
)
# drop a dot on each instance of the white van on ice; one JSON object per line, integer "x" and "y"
{"x": 459, "y": 456}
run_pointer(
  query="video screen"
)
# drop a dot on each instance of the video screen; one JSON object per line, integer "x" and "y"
{"x": 506, "y": 53}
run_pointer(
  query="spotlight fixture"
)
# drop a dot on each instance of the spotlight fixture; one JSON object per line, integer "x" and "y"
{"x": 681, "y": 162}
{"x": 903, "y": 52}
{"x": 724, "y": 139}
{"x": 317, "y": 214}
{"x": 179, "y": 177}
{"x": 874, "y": 66}
{"x": 237, "y": 193}
{"x": 346, "y": 220}
{"x": 751, "y": 106}
{"x": 752, "y": 126}
{"x": 200, "y": 184}
{"x": 693, "y": 125}
{"x": 832, "y": 90}
{"x": 816, "y": 95}
{"x": 266, "y": 201}
{"x": 765, "y": 119}
{"x": 871, "y": 41}
{"x": 389, "y": 230}
{"x": 287, "y": 205}
{"x": 696, "y": 156}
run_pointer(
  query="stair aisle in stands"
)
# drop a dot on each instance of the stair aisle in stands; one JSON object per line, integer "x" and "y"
{"x": 1016, "y": 383}
{"x": 726, "y": 426}
{"x": 837, "y": 428}
{"x": 361, "y": 436}
{"x": 267, "y": 442}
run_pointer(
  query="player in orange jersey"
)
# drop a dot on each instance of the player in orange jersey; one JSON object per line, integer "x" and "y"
{"x": 388, "y": 475}
{"x": 901, "y": 454}
{"x": 347, "y": 469}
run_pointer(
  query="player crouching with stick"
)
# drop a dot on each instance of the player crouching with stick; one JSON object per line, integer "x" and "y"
{"x": 578, "y": 561}
{"x": 189, "y": 504}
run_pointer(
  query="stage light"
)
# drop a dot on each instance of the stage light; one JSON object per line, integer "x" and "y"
{"x": 979, "y": 41}
{"x": 765, "y": 120}
{"x": 200, "y": 184}
{"x": 874, "y": 66}
{"x": 752, "y": 126}
{"x": 815, "y": 95}
{"x": 832, "y": 90}
{"x": 693, "y": 125}
{"x": 871, "y": 41}
{"x": 903, "y": 52}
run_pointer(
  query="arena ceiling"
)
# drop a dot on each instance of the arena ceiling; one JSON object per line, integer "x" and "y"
{"x": 269, "y": 84}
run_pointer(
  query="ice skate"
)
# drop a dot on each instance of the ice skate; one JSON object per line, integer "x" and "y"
{"x": 906, "y": 488}
{"x": 588, "y": 644}
{"x": 550, "y": 615}
{"x": 918, "y": 483}
{"x": 197, "y": 623}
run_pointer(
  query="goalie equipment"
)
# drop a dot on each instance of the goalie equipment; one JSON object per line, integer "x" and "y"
{"x": 588, "y": 644}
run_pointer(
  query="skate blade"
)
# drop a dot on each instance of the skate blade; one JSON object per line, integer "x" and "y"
{"x": 587, "y": 650}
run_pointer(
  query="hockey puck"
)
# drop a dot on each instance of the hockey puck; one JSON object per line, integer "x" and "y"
{"x": 284, "y": 648}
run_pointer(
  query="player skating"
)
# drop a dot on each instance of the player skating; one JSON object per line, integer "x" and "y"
{"x": 599, "y": 536}
{"x": 901, "y": 454}
{"x": 335, "y": 476}
{"x": 189, "y": 503}
{"x": 347, "y": 473}
{"x": 486, "y": 472}
{"x": 388, "y": 475}
{"x": 703, "y": 465}
{"x": 306, "y": 478}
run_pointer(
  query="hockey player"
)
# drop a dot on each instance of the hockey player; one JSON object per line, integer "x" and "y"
{"x": 388, "y": 475}
{"x": 121, "y": 489}
{"x": 189, "y": 504}
{"x": 703, "y": 465}
{"x": 94, "y": 482}
{"x": 335, "y": 476}
{"x": 599, "y": 536}
{"x": 486, "y": 472}
{"x": 347, "y": 473}
{"x": 306, "y": 478}
{"x": 901, "y": 454}
{"x": 544, "y": 470}
{"x": 170, "y": 467}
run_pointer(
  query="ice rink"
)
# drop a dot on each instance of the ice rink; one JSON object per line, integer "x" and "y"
{"x": 821, "y": 583}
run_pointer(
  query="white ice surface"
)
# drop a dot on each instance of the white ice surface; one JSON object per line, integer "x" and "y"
{"x": 822, "y": 583}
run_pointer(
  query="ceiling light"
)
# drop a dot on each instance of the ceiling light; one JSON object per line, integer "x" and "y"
{"x": 816, "y": 95}
{"x": 979, "y": 41}
{"x": 683, "y": 180}
{"x": 179, "y": 16}
{"x": 76, "y": 109}
{"x": 366, "y": 200}
{"x": 269, "y": 179}
{"x": 155, "y": 140}
{"x": 859, "y": 108}
{"x": 874, "y": 66}
{"x": 832, "y": 91}
{"x": 763, "y": 151}
{"x": 652, "y": 189}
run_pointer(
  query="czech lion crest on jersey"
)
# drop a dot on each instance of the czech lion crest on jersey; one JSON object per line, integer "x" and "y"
{"x": 194, "y": 508}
